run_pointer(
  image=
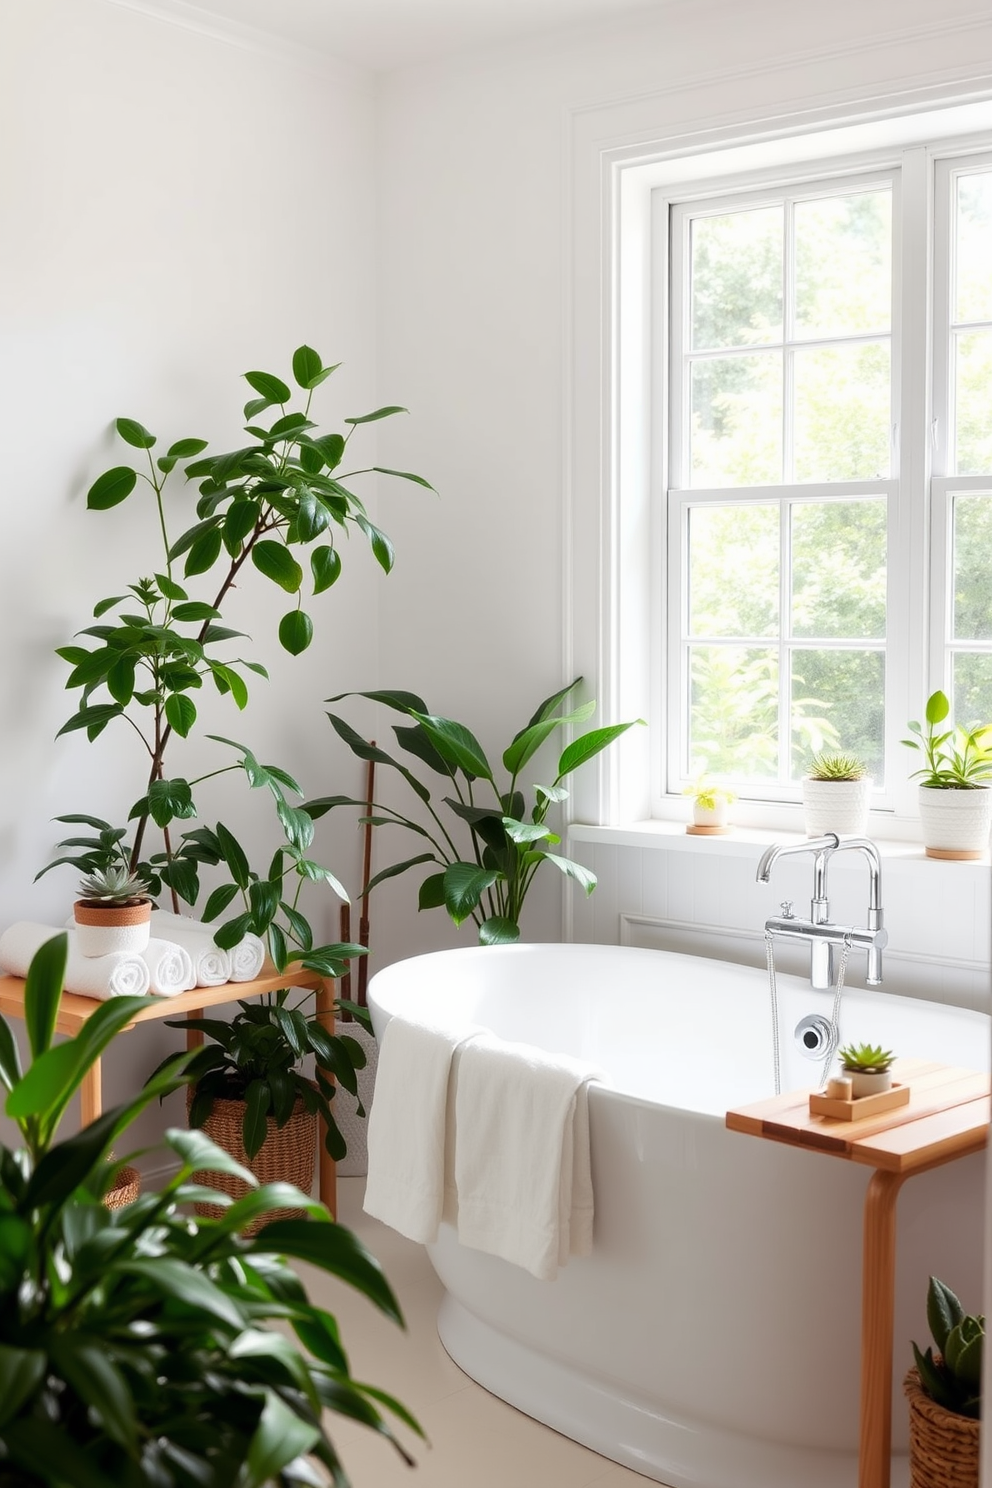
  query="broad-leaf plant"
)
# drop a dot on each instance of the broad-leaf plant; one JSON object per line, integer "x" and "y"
{"x": 136, "y": 1345}
{"x": 484, "y": 843}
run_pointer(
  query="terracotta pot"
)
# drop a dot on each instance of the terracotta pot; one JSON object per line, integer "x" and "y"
{"x": 943, "y": 1446}
{"x": 102, "y": 929}
{"x": 288, "y": 1155}
{"x": 839, "y": 806}
{"x": 956, "y": 823}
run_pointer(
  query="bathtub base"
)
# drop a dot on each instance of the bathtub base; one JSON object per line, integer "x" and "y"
{"x": 675, "y": 1451}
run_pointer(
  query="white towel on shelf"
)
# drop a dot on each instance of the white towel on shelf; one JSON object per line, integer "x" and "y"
{"x": 211, "y": 965}
{"x": 116, "y": 975}
{"x": 170, "y": 967}
{"x": 247, "y": 958}
{"x": 406, "y": 1126}
{"x": 522, "y": 1161}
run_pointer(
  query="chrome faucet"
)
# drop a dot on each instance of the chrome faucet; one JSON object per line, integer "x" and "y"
{"x": 819, "y": 931}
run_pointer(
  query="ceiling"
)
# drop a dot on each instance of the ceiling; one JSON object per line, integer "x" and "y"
{"x": 384, "y": 34}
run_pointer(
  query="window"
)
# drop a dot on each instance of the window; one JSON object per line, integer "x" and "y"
{"x": 807, "y": 320}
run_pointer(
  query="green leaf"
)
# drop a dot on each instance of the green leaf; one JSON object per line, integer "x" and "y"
{"x": 218, "y": 901}
{"x": 185, "y": 449}
{"x": 944, "y": 1312}
{"x": 498, "y": 930}
{"x": 258, "y": 1098}
{"x": 50, "y": 1455}
{"x": 180, "y": 712}
{"x": 464, "y": 883}
{"x": 48, "y": 1086}
{"x": 43, "y": 992}
{"x": 275, "y": 561}
{"x": 333, "y": 1249}
{"x": 135, "y": 434}
{"x": 397, "y": 869}
{"x": 524, "y": 832}
{"x": 120, "y": 680}
{"x": 583, "y": 876}
{"x": 380, "y": 413}
{"x": 113, "y": 487}
{"x": 199, "y": 1154}
{"x": 240, "y": 520}
{"x": 169, "y": 587}
{"x": 280, "y": 1437}
{"x": 204, "y": 552}
{"x": 96, "y": 717}
{"x": 456, "y": 744}
{"x": 381, "y": 547}
{"x": 588, "y": 745}
{"x": 173, "y": 1278}
{"x": 272, "y": 388}
{"x": 431, "y": 894}
{"x": 938, "y": 708}
{"x": 331, "y": 448}
{"x": 10, "y": 1061}
{"x": 168, "y": 799}
{"x": 195, "y": 609}
{"x": 306, "y": 366}
{"x": 99, "y": 1384}
{"x": 404, "y": 475}
{"x": 529, "y": 740}
{"x": 21, "y": 1372}
{"x": 234, "y": 856}
{"x": 295, "y": 632}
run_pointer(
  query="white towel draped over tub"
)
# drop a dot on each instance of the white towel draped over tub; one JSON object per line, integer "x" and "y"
{"x": 405, "y": 1185}
{"x": 116, "y": 975}
{"x": 523, "y": 1172}
{"x": 493, "y": 1135}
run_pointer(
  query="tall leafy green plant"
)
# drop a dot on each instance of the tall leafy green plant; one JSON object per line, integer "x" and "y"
{"x": 135, "y": 1346}
{"x": 507, "y": 840}
{"x": 288, "y": 491}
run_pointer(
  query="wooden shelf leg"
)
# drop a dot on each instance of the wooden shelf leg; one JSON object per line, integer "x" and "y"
{"x": 878, "y": 1282}
{"x": 91, "y": 1094}
{"x": 326, "y": 1169}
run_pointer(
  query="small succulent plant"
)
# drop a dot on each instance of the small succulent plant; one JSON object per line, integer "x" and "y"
{"x": 866, "y": 1059}
{"x": 113, "y": 885}
{"x": 827, "y": 766}
{"x": 953, "y": 1378}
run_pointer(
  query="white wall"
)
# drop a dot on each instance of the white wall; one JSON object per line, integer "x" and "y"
{"x": 481, "y": 163}
{"x": 174, "y": 210}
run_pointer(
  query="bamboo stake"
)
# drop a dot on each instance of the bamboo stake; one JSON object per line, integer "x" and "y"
{"x": 363, "y": 923}
{"x": 346, "y": 937}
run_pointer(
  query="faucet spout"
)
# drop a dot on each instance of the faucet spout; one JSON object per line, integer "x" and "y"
{"x": 817, "y": 845}
{"x": 819, "y": 931}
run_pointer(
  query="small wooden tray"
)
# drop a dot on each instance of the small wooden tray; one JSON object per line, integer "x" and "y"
{"x": 707, "y": 831}
{"x": 857, "y": 1110}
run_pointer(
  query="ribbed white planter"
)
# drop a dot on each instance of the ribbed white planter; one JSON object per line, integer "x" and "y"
{"x": 839, "y": 806}
{"x": 354, "y": 1128}
{"x": 956, "y": 823}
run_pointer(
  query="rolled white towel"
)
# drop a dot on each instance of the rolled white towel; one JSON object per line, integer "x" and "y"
{"x": 116, "y": 975}
{"x": 247, "y": 958}
{"x": 211, "y": 965}
{"x": 170, "y": 967}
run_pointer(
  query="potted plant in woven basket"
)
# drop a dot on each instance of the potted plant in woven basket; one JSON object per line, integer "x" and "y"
{"x": 945, "y": 1396}
{"x": 250, "y": 1096}
{"x": 835, "y": 795}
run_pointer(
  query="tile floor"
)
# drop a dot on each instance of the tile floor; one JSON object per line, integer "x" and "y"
{"x": 476, "y": 1441}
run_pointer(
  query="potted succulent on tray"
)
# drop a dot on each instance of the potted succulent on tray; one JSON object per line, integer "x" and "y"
{"x": 945, "y": 1396}
{"x": 835, "y": 795}
{"x": 506, "y": 841}
{"x": 955, "y": 797}
{"x": 143, "y": 1347}
{"x": 869, "y": 1066}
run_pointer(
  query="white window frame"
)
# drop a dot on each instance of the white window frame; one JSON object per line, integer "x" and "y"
{"x": 613, "y": 532}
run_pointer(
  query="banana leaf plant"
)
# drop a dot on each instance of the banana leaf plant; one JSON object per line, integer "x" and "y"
{"x": 136, "y": 1345}
{"x": 485, "y": 843}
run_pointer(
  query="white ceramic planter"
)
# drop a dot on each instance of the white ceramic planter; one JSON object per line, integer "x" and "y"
{"x": 102, "y": 930}
{"x": 710, "y": 816}
{"x": 869, "y": 1082}
{"x": 955, "y": 823}
{"x": 839, "y": 806}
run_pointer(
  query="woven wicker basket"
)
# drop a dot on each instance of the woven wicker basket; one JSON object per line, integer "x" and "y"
{"x": 125, "y": 1190}
{"x": 288, "y": 1155}
{"x": 943, "y": 1446}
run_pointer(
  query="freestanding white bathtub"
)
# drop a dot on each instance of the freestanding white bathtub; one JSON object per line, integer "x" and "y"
{"x": 712, "y": 1339}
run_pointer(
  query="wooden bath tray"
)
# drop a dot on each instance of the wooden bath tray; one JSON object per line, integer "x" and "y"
{"x": 838, "y": 1109}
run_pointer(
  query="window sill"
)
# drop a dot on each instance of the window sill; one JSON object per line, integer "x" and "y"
{"x": 750, "y": 842}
